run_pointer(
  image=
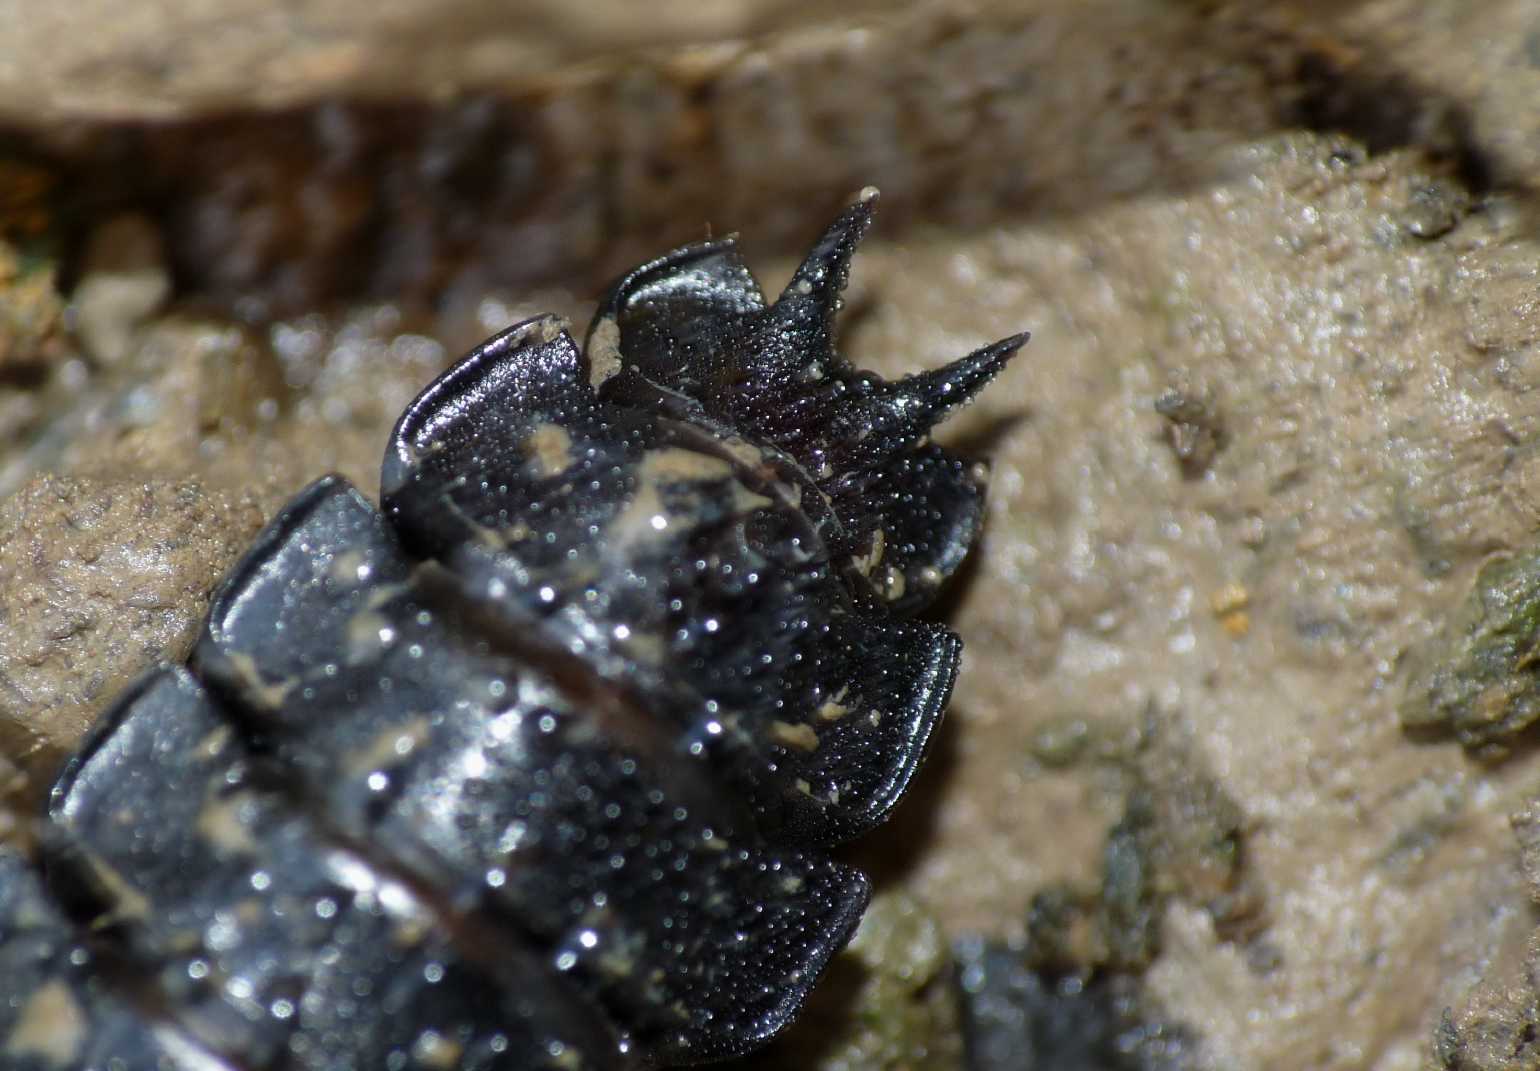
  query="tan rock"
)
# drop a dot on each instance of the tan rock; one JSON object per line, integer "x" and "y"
{"x": 99, "y": 579}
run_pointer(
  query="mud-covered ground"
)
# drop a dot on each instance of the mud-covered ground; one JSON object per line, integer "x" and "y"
{"x": 1245, "y": 713}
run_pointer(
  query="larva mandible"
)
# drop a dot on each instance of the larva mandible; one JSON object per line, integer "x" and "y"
{"x": 535, "y": 766}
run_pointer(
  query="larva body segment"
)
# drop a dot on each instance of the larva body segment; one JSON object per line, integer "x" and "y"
{"x": 534, "y": 766}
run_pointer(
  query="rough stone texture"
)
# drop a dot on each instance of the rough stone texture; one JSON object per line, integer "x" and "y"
{"x": 579, "y": 154}
{"x": 1478, "y": 679}
{"x": 99, "y": 578}
{"x": 1364, "y": 480}
{"x": 1277, "y": 414}
{"x": 962, "y": 111}
{"x": 1497, "y": 1027}
{"x": 1448, "y": 73}
{"x": 164, "y": 58}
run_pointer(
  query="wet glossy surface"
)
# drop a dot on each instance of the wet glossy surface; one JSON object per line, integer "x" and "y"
{"x": 534, "y": 766}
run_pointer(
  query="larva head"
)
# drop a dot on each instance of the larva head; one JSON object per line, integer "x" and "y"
{"x": 692, "y": 332}
{"x": 711, "y": 503}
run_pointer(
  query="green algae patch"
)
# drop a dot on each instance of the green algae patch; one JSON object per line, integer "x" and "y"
{"x": 1179, "y": 835}
{"x": 1480, "y": 679}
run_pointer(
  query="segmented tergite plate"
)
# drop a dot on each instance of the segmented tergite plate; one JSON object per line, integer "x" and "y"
{"x": 535, "y": 765}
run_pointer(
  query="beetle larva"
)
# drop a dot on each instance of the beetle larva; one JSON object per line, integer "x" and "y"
{"x": 536, "y": 765}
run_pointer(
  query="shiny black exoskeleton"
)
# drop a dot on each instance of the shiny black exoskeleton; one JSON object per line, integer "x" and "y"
{"x": 534, "y": 766}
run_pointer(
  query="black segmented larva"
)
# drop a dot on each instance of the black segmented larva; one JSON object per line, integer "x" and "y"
{"x": 535, "y": 766}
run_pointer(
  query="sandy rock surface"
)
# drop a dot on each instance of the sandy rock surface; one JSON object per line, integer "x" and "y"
{"x": 176, "y": 59}
{"x": 99, "y": 578}
{"x": 1275, "y": 424}
{"x": 1263, "y": 606}
{"x": 963, "y": 112}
